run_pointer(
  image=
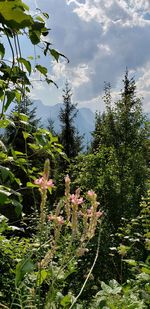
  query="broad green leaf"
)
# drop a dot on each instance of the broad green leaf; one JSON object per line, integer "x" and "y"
{"x": 131, "y": 262}
{"x": 66, "y": 301}
{"x": 55, "y": 54}
{"x": 4, "y": 194}
{"x": 18, "y": 96}
{"x": 146, "y": 270}
{"x": 34, "y": 37}
{"x": 20, "y": 18}
{"x": 34, "y": 146}
{"x": 31, "y": 185}
{"x": 25, "y": 134}
{"x": 10, "y": 97}
{"x": 41, "y": 277}
{"x": 22, "y": 116}
{"x": 6, "y": 174}
{"x": 22, "y": 268}
{"x": 39, "y": 18}
{"x": 50, "y": 81}
{"x": 18, "y": 207}
{"x": 41, "y": 69}
{"x": 26, "y": 63}
{"x": 4, "y": 123}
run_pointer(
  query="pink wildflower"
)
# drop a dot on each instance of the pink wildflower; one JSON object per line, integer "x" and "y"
{"x": 59, "y": 219}
{"x": 75, "y": 200}
{"x": 43, "y": 183}
{"x": 90, "y": 213}
{"x": 99, "y": 214}
{"x": 91, "y": 193}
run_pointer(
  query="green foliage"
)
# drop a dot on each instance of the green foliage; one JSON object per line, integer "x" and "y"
{"x": 12, "y": 249}
{"x": 42, "y": 250}
{"x": 135, "y": 293}
{"x": 115, "y": 296}
{"x": 15, "y": 21}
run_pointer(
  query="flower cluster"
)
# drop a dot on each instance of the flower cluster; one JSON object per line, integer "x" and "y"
{"x": 75, "y": 199}
{"x": 43, "y": 183}
{"x": 59, "y": 219}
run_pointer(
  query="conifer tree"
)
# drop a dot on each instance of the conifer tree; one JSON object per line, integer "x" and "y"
{"x": 122, "y": 128}
{"x": 69, "y": 136}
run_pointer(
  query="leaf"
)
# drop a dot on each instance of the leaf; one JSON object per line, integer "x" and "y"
{"x": 31, "y": 185}
{"x": 22, "y": 116}
{"x": 20, "y": 18}
{"x": 49, "y": 81}
{"x": 30, "y": 57}
{"x": 2, "y": 50}
{"x": 41, "y": 69}
{"x": 18, "y": 207}
{"x": 26, "y": 63}
{"x": 130, "y": 262}
{"x": 18, "y": 96}
{"x": 25, "y": 134}
{"x": 41, "y": 277}
{"x": 34, "y": 36}
{"x": 39, "y": 18}
{"x": 146, "y": 270}
{"x": 22, "y": 268}
{"x": 66, "y": 301}
{"x": 55, "y": 54}
{"x": 10, "y": 97}
{"x": 4, "y": 194}
{"x": 46, "y": 15}
{"x": 6, "y": 174}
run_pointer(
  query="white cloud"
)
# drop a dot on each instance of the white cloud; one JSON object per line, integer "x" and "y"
{"x": 101, "y": 38}
{"x": 128, "y": 13}
{"x": 77, "y": 76}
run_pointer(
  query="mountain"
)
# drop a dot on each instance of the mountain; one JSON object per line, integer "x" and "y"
{"x": 84, "y": 121}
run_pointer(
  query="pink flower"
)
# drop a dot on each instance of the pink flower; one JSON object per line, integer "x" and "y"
{"x": 75, "y": 200}
{"x": 91, "y": 193}
{"x": 90, "y": 213}
{"x": 43, "y": 183}
{"x": 59, "y": 219}
{"x": 99, "y": 214}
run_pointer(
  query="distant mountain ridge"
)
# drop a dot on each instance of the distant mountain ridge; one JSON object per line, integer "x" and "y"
{"x": 84, "y": 121}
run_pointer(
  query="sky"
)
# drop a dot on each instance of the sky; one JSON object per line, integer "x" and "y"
{"x": 101, "y": 38}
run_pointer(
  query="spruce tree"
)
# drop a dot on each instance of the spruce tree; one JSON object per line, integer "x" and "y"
{"x": 69, "y": 136}
{"x": 105, "y": 131}
{"x": 122, "y": 128}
